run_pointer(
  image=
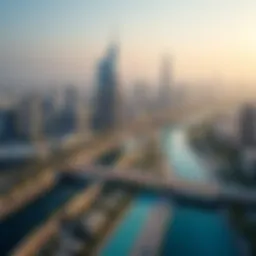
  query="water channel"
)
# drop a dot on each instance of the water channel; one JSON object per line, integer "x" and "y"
{"x": 190, "y": 231}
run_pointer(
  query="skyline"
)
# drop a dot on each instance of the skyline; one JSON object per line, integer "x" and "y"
{"x": 62, "y": 41}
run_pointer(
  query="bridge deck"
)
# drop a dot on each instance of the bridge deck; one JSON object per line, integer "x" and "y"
{"x": 175, "y": 187}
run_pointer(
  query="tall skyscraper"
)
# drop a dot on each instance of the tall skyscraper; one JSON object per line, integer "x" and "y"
{"x": 107, "y": 98}
{"x": 165, "y": 83}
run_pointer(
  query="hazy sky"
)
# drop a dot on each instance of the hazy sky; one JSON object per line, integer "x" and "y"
{"x": 60, "y": 40}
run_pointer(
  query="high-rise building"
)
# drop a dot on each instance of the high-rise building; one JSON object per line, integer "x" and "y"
{"x": 247, "y": 136}
{"x": 107, "y": 100}
{"x": 7, "y": 125}
{"x": 30, "y": 117}
{"x": 69, "y": 110}
{"x": 82, "y": 117}
{"x": 165, "y": 85}
{"x": 248, "y": 126}
{"x": 49, "y": 109}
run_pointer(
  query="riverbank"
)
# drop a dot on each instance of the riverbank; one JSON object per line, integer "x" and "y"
{"x": 106, "y": 230}
{"x": 222, "y": 157}
{"x": 140, "y": 226}
{"x": 221, "y": 168}
{"x": 194, "y": 231}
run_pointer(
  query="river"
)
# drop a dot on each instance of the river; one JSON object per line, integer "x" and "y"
{"x": 194, "y": 231}
{"x": 190, "y": 231}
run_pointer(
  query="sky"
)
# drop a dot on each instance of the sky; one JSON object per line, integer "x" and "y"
{"x": 60, "y": 41}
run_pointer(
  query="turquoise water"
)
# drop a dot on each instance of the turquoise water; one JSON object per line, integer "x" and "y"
{"x": 129, "y": 230}
{"x": 183, "y": 160}
{"x": 194, "y": 231}
{"x": 201, "y": 233}
{"x": 191, "y": 231}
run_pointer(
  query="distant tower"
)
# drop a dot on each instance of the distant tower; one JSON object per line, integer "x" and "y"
{"x": 49, "y": 109}
{"x": 107, "y": 100}
{"x": 30, "y": 117}
{"x": 82, "y": 116}
{"x": 70, "y": 109}
{"x": 165, "y": 83}
{"x": 140, "y": 99}
{"x": 70, "y": 98}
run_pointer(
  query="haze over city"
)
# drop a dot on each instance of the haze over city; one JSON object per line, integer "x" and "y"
{"x": 49, "y": 42}
{"x": 127, "y": 127}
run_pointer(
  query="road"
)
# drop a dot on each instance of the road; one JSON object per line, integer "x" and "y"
{"x": 44, "y": 230}
{"x": 90, "y": 151}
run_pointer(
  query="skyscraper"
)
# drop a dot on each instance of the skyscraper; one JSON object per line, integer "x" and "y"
{"x": 165, "y": 83}
{"x": 107, "y": 96}
{"x": 248, "y": 126}
{"x": 247, "y": 135}
{"x": 7, "y": 125}
{"x": 49, "y": 111}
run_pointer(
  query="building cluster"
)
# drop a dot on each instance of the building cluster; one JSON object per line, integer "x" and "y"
{"x": 41, "y": 116}
{"x": 36, "y": 117}
{"x": 78, "y": 236}
{"x": 36, "y": 123}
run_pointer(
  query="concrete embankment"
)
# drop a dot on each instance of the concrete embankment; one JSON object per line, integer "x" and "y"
{"x": 26, "y": 192}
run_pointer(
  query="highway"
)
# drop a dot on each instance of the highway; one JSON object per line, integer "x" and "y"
{"x": 21, "y": 194}
{"x": 77, "y": 160}
{"x": 45, "y": 229}
{"x": 38, "y": 211}
{"x": 187, "y": 191}
{"x": 40, "y": 182}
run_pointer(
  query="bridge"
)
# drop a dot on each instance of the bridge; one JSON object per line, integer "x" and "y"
{"x": 46, "y": 231}
{"x": 196, "y": 193}
{"x": 35, "y": 183}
